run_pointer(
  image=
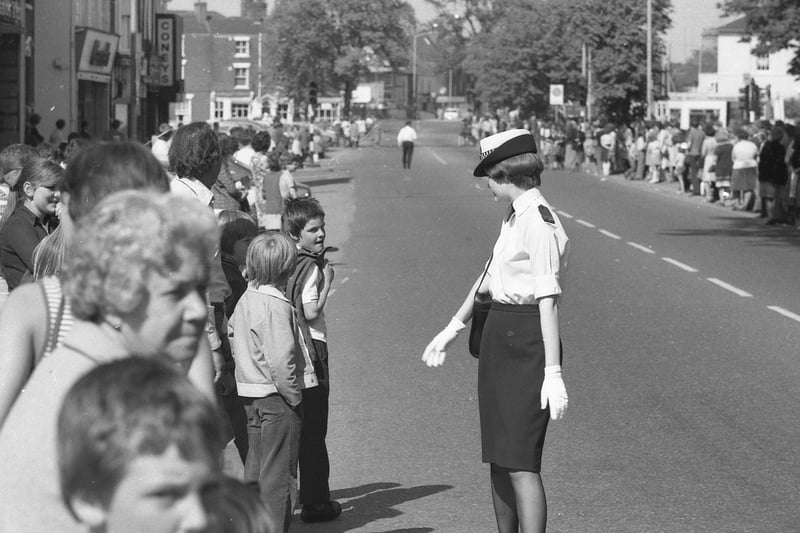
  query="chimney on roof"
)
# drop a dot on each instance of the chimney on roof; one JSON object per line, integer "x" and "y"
{"x": 201, "y": 11}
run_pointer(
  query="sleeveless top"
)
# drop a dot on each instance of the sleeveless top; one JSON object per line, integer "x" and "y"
{"x": 59, "y": 315}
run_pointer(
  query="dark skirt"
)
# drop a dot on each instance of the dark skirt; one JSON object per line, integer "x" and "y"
{"x": 744, "y": 179}
{"x": 510, "y": 375}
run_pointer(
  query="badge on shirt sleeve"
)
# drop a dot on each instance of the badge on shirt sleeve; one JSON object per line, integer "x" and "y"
{"x": 547, "y": 216}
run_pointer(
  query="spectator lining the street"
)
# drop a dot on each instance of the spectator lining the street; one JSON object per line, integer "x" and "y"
{"x": 723, "y": 165}
{"x": 773, "y": 175}
{"x": 273, "y": 182}
{"x": 227, "y": 190}
{"x": 31, "y": 221}
{"x": 308, "y": 289}
{"x": 36, "y": 317}
{"x": 135, "y": 275}
{"x": 12, "y": 158}
{"x": 273, "y": 367}
{"x": 135, "y": 431}
{"x": 745, "y": 172}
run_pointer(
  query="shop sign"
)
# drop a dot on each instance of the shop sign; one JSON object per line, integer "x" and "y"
{"x": 97, "y": 52}
{"x": 11, "y": 12}
{"x": 162, "y": 71}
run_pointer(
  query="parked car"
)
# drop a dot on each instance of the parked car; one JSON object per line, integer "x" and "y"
{"x": 451, "y": 113}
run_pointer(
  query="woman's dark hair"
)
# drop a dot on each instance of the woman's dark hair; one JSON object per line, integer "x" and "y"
{"x": 194, "y": 150}
{"x": 100, "y": 169}
{"x": 296, "y": 214}
{"x": 227, "y": 145}
{"x": 41, "y": 172}
{"x": 261, "y": 142}
{"x": 523, "y": 170}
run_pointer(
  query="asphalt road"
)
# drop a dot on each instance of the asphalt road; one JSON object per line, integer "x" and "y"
{"x": 681, "y": 329}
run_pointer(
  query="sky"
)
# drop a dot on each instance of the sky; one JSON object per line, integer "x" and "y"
{"x": 689, "y": 19}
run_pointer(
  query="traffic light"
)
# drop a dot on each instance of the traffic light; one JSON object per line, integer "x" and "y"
{"x": 744, "y": 98}
{"x": 312, "y": 94}
{"x": 755, "y": 99}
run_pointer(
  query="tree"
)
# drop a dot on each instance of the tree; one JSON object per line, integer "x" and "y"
{"x": 528, "y": 49}
{"x": 774, "y": 23}
{"x": 334, "y": 42}
{"x": 535, "y": 43}
{"x": 616, "y": 33}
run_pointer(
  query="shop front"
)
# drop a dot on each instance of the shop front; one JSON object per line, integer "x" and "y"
{"x": 95, "y": 51}
{"x": 12, "y": 72}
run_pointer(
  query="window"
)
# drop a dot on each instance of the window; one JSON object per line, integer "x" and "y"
{"x": 241, "y": 76}
{"x": 219, "y": 110}
{"x": 242, "y": 47}
{"x": 762, "y": 62}
{"x": 240, "y": 110}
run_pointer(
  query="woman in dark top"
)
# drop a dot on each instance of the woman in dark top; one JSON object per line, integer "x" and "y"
{"x": 723, "y": 165}
{"x": 772, "y": 174}
{"x": 32, "y": 220}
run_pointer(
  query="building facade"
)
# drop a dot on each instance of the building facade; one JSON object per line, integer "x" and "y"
{"x": 14, "y": 53}
{"x": 94, "y": 61}
{"x": 220, "y": 67}
{"x": 737, "y": 66}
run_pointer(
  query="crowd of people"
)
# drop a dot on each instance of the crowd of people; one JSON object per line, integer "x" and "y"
{"x": 745, "y": 167}
{"x": 166, "y": 309}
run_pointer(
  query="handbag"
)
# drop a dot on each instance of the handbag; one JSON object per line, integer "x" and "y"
{"x": 481, "y": 304}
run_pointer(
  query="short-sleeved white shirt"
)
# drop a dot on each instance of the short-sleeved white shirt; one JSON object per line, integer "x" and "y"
{"x": 317, "y": 327}
{"x": 530, "y": 255}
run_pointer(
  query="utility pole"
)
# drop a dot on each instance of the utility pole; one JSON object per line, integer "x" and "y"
{"x": 414, "y": 78}
{"x": 587, "y": 72}
{"x": 649, "y": 59}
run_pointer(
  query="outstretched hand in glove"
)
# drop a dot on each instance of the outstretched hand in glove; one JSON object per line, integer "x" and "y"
{"x": 436, "y": 350}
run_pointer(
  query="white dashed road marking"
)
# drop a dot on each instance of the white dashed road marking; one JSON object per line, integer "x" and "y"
{"x": 609, "y": 234}
{"x": 678, "y": 264}
{"x": 442, "y": 161}
{"x": 345, "y": 280}
{"x": 683, "y": 266}
{"x": 729, "y": 287}
{"x": 642, "y": 248}
{"x": 784, "y": 312}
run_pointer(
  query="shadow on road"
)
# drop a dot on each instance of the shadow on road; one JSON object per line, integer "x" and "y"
{"x": 327, "y": 181}
{"x": 371, "y": 502}
{"x": 741, "y": 227}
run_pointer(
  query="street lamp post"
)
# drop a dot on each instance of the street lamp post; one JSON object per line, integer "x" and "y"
{"x": 649, "y": 59}
{"x": 414, "y": 78}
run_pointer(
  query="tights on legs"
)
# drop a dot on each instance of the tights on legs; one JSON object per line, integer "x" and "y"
{"x": 519, "y": 500}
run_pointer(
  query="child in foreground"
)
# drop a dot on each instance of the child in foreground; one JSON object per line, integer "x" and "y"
{"x": 272, "y": 369}
{"x": 138, "y": 449}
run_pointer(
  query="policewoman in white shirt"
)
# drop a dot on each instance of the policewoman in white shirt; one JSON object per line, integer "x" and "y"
{"x": 519, "y": 372}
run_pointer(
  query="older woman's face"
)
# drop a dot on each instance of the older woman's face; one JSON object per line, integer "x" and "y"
{"x": 171, "y": 318}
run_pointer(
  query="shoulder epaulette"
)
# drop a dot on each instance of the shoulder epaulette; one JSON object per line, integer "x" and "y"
{"x": 547, "y": 216}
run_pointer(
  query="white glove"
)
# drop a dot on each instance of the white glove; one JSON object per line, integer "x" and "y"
{"x": 554, "y": 392}
{"x": 436, "y": 350}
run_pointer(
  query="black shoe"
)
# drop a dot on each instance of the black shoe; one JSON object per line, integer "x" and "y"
{"x": 321, "y": 512}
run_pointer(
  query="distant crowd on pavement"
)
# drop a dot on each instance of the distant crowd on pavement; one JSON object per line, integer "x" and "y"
{"x": 746, "y": 167}
{"x": 205, "y": 258}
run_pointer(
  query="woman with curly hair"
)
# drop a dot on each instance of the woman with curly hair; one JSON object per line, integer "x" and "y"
{"x": 37, "y": 316}
{"x": 136, "y": 277}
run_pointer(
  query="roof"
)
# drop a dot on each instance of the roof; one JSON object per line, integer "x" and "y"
{"x": 735, "y": 27}
{"x": 218, "y": 23}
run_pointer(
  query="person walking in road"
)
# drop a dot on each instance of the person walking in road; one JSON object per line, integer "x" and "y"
{"x": 406, "y": 138}
{"x": 520, "y": 386}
